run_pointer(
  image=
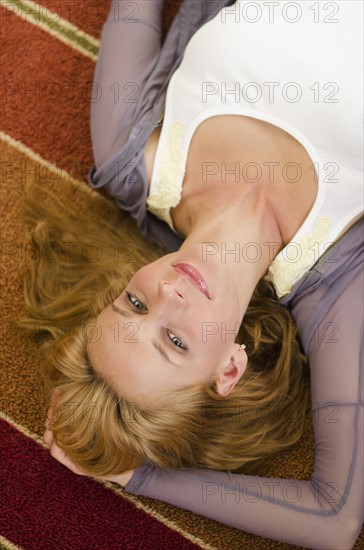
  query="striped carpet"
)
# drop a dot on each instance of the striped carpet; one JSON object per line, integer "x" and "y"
{"x": 49, "y": 50}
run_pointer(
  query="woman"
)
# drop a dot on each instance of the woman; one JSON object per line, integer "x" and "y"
{"x": 236, "y": 229}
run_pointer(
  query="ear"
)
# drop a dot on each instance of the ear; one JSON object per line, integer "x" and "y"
{"x": 230, "y": 374}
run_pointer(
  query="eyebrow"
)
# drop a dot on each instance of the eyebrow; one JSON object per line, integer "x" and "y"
{"x": 156, "y": 345}
{"x": 121, "y": 311}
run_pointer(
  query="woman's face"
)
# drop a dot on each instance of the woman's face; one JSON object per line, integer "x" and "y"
{"x": 170, "y": 328}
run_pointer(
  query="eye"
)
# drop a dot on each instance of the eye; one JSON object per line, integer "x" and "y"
{"x": 176, "y": 341}
{"x": 136, "y": 303}
{"x": 139, "y": 305}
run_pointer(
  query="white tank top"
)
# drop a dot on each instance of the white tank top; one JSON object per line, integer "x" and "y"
{"x": 297, "y": 66}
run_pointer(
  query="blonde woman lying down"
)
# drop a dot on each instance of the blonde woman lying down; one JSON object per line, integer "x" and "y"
{"x": 237, "y": 147}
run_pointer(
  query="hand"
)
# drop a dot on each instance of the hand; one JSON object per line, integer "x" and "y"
{"x": 60, "y": 455}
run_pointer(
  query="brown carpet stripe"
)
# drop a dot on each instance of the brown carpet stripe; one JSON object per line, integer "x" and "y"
{"x": 49, "y": 167}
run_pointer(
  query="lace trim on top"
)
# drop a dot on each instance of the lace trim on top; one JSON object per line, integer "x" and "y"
{"x": 170, "y": 176}
{"x": 298, "y": 256}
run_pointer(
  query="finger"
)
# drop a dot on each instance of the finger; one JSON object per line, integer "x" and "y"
{"x": 53, "y": 414}
{"x": 48, "y": 421}
{"x": 52, "y": 409}
{"x": 61, "y": 456}
{"x": 55, "y": 394}
{"x": 48, "y": 437}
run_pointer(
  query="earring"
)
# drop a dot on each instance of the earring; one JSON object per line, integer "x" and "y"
{"x": 243, "y": 346}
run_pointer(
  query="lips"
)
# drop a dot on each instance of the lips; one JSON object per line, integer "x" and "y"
{"x": 194, "y": 277}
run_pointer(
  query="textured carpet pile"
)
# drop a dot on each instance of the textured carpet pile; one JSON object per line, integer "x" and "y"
{"x": 49, "y": 49}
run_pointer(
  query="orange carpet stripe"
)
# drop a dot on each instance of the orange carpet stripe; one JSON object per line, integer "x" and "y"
{"x": 84, "y": 15}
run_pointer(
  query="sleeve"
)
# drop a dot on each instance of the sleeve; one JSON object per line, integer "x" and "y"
{"x": 130, "y": 48}
{"x": 128, "y": 96}
{"x": 325, "y": 511}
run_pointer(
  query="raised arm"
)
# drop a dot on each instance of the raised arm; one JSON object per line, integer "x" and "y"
{"x": 130, "y": 47}
{"x": 327, "y": 510}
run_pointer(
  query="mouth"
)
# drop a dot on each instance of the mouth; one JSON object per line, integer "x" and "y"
{"x": 194, "y": 277}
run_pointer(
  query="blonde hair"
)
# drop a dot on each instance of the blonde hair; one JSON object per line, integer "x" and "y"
{"x": 192, "y": 426}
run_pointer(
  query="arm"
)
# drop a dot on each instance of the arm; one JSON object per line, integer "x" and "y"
{"x": 133, "y": 70}
{"x": 129, "y": 89}
{"x": 327, "y": 510}
{"x": 130, "y": 47}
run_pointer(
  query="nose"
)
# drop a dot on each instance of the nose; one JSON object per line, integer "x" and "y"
{"x": 171, "y": 293}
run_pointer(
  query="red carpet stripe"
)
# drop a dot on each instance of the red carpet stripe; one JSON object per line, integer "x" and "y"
{"x": 45, "y": 95}
{"x": 44, "y": 506}
{"x": 55, "y": 25}
{"x": 90, "y": 15}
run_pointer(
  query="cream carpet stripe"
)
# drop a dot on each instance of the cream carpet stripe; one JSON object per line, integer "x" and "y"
{"x": 55, "y": 25}
{"x": 7, "y": 545}
{"x": 22, "y": 429}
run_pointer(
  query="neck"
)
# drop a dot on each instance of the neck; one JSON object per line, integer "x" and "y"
{"x": 241, "y": 229}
